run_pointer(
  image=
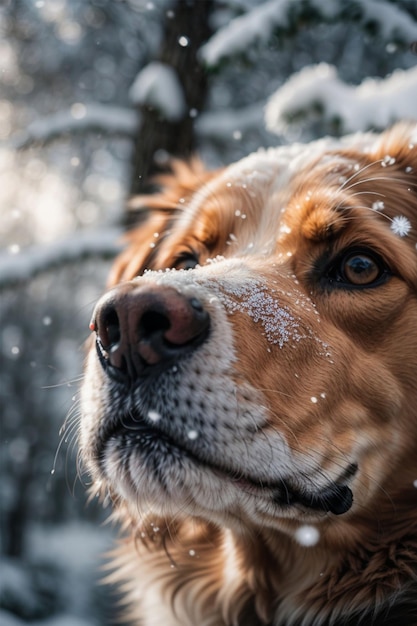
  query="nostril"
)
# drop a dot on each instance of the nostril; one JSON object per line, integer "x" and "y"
{"x": 112, "y": 326}
{"x": 153, "y": 322}
{"x": 107, "y": 326}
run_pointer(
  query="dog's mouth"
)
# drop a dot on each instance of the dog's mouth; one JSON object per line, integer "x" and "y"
{"x": 134, "y": 432}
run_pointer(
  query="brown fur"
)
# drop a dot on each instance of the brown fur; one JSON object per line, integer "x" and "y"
{"x": 341, "y": 390}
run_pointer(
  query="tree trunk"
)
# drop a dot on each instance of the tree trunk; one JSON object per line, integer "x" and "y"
{"x": 186, "y": 29}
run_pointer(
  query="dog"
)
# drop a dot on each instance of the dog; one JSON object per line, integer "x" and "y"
{"x": 250, "y": 394}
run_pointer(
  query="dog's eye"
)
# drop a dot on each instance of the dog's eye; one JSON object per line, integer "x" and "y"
{"x": 357, "y": 268}
{"x": 360, "y": 269}
{"x": 186, "y": 261}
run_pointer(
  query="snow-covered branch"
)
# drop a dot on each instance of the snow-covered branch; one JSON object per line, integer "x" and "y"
{"x": 317, "y": 91}
{"x": 255, "y": 25}
{"x": 25, "y": 265}
{"x": 390, "y": 22}
{"x": 80, "y": 118}
{"x": 221, "y": 125}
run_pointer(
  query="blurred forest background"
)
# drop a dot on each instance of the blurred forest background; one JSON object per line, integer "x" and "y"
{"x": 94, "y": 96}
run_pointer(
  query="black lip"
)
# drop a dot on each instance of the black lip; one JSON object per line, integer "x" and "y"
{"x": 336, "y": 498}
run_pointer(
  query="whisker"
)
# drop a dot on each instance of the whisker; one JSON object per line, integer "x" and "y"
{"x": 357, "y": 173}
{"x": 65, "y": 383}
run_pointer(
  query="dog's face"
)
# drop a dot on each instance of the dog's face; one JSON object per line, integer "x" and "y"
{"x": 263, "y": 368}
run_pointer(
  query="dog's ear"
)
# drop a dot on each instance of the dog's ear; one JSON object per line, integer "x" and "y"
{"x": 396, "y": 150}
{"x": 398, "y": 145}
{"x": 156, "y": 214}
{"x": 395, "y": 176}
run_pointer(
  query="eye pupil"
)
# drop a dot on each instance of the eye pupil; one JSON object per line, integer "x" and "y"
{"x": 360, "y": 269}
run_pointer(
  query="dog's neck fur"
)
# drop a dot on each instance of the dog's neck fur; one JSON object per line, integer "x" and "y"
{"x": 270, "y": 579}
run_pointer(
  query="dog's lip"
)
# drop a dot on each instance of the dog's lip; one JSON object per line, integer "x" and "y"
{"x": 336, "y": 497}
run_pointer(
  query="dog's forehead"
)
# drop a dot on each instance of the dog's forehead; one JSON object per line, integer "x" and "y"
{"x": 271, "y": 172}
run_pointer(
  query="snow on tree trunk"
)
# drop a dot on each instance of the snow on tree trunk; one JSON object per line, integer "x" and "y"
{"x": 160, "y": 133}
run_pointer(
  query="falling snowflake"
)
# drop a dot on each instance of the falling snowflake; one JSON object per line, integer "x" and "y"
{"x": 400, "y": 225}
{"x": 154, "y": 416}
{"x": 378, "y": 205}
{"x": 307, "y": 535}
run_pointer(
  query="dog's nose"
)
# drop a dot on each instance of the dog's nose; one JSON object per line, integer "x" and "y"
{"x": 145, "y": 328}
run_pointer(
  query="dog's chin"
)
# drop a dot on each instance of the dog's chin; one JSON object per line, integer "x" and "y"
{"x": 146, "y": 466}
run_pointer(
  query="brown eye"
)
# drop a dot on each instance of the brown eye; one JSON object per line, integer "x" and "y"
{"x": 360, "y": 269}
{"x": 355, "y": 269}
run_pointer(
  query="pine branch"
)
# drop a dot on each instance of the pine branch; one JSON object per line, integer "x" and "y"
{"x": 221, "y": 125}
{"x": 25, "y": 265}
{"x": 283, "y": 18}
{"x": 317, "y": 92}
{"x": 79, "y": 118}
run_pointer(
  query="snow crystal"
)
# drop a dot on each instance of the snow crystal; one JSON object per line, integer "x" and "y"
{"x": 387, "y": 160}
{"x": 154, "y": 416}
{"x": 314, "y": 399}
{"x": 378, "y": 205}
{"x": 277, "y": 321}
{"x": 400, "y": 225}
{"x": 192, "y": 434}
{"x": 307, "y": 535}
{"x": 191, "y": 552}
{"x": 262, "y": 305}
{"x": 415, "y": 483}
